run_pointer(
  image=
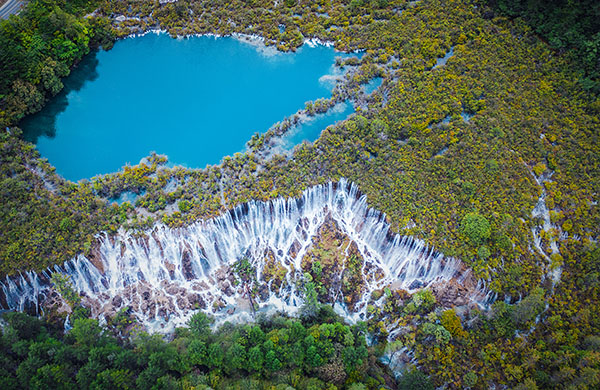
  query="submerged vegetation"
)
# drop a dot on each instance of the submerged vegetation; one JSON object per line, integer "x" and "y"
{"x": 460, "y": 155}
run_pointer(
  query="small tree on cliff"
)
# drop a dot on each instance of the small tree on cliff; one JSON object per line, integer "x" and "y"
{"x": 200, "y": 324}
{"x": 64, "y": 286}
{"x": 311, "y": 303}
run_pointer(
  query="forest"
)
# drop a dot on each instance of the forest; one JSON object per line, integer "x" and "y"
{"x": 39, "y": 47}
{"x": 319, "y": 352}
{"x": 458, "y": 155}
{"x": 568, "y": 26}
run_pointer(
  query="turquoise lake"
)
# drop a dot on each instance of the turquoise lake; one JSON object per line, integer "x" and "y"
{"x": 196, "y": 100}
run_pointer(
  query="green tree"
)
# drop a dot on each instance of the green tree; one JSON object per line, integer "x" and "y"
{"x": 528, "y": 384}
{"x": 235, "y": 358}
{"x": 200, "y": 324}
{"x": 441, "y": 334}
{"x": 215, "y": 356}
{"x": 197, "y": 353}
{"x": 414, "y": 379}
{"x": 255, "y": 335}
{"x": 255, "y": 359}
{"x": 352, "y": 358}
{"x": 311, "y": 305}
{"x": 529, "y": 307}
{"x": 357, "y": 386}
{"x": 64, "y": 286}
{"x": 24, "y": 99}
{"x": 52, "y": 377}
{"x": 483, "y": 252}
{"x": 502, "y": 319}
{"x": 313, "y": 358}
{"x": 476, "y": 228}
{"x": 86, "y": 331}
{"x": 451, "y": 322}
{"x": 296, "y": 355}
{"x": 25, "y": 327}
{"x": 114, "y": 379}
{"x": 245, "y": 270}
{"x": 421, "y": 302}
{"x": 272, "y": 363}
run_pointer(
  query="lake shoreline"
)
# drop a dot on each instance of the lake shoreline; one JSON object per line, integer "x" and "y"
{"x": 272, "y": 130}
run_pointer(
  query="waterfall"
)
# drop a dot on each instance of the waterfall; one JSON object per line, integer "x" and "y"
{"x": 165, "y": 274}
{"x": 541, "y": 211}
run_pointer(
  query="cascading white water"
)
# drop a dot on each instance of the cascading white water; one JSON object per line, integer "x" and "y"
{"x": 165, "y": 275}
{"x": 541, "y": 211}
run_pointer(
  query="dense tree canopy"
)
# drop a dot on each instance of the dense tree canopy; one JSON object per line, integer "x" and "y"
{"x": 39, "y": 47}
{"x": 272, "y": 353}
{"x": 572, "y": 25}
{"x": 476, "y": 228}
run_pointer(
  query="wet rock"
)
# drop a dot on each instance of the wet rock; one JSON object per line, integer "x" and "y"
{"x": 304, "y": 235}
{"x": 304, "y": 223}
{"x": 151, "y": 310}
{"x": 463, "y": 312}
{"x": 376, "y": 294}
{"x": 405, "y": 358}
{"x": 174, "y": 290}
{"x": 144, "y": 307}
{"x": 196, "y": 300}
{"x": 222, "y": 273}
{"x": 162, "y": 313}
{"x": 217, "y": 305}
{"x": 263, "y": 292}
{"x": 231, "y": 279}
{"x": 415, "y": 285}
{"x": 294, "y": 249}
{"x": 225, "y": 287}
{"x": 450, "y": 294}
{"x": 95, "y": 256}
{"x": 182, "y": 303}
{"x": 273, "y": 272}
{"x": 117, "y": 301}
{"x": 202, "y": 286}
{"x": 401, "y": 295}
{"x": 186, "y": 265}
{"x": 170, "y": 267}
{"x": 156, "y": 241}
{"x": 372, "y": 271}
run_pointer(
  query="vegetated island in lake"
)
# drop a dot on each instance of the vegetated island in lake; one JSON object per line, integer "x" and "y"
{"x": 512, "y": 192}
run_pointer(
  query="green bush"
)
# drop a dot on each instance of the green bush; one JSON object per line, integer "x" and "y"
{"x": 414, "y": 379}
{"x": 476, "y": 228}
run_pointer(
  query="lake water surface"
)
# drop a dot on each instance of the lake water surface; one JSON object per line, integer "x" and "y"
{"x": 196, "y": 100}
